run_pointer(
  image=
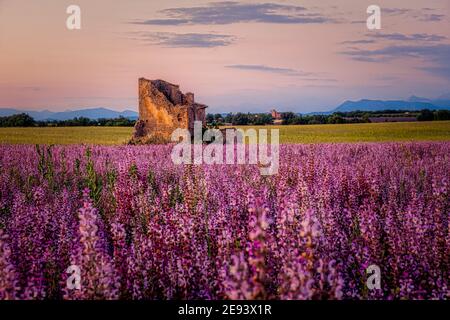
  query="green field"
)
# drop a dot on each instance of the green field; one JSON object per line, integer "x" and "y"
{"x": 66, "y": 135}
{"x": 364, "y": 132}
{"x": 367, "y": 132}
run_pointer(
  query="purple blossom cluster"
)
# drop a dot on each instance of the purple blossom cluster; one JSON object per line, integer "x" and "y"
{"x": 139, "y": 227}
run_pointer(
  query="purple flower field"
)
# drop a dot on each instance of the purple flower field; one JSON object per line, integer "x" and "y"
{"x": 140, "y": 227}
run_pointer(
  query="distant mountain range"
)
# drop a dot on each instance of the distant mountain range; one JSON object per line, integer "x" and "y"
{"x": 413, "y": 104}
{"x": 96, "y": 113}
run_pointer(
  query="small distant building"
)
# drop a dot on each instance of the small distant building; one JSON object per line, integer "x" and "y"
{"x": 276, "y": 116}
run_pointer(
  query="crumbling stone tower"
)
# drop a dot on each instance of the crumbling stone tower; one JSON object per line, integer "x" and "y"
{"x": 164, "y": 108}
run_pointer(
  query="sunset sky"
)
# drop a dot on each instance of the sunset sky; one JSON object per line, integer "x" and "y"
{"x": 235, "y": 56}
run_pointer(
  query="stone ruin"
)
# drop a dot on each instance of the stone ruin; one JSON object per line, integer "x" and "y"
{"x": 162, "y": 109}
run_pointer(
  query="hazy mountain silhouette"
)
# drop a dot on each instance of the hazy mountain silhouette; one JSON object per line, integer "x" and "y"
{"x": 412, "y": 103}
{"x": 95, "y": 113}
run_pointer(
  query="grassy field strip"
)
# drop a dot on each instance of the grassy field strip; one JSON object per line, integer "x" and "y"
{"x": 364, "y": 132}
{"x": 66, "y": 135}
{"x": 333, "y": 133}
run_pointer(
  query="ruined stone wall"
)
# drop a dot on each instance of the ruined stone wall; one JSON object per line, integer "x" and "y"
{"x": 162, "y": 109}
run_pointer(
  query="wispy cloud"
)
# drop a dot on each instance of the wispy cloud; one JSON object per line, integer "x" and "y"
{"x": 442, "y": 71}
{"x": 303, "y": 75}
{"x": 434, "y": 56}
{"x": 269, "y": 69}
{"x": 405, "y": 37}
{"x": 184, "y": 40}
{"x": 433, "y": 17}
{"x": 320, "y": 79}
{"x": 430, "y": 15}
{"x": 363, "y": 41}
{"x": 228, "y": 12}
{"x": 393, "y": 52}
{"x": 395, "y": 11}
{"x": 424, "y": 14}
{"x": 396, "y": 37}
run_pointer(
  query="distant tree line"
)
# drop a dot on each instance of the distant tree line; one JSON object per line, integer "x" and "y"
{"x": 238, "y": 119}
{"x": 292, "y": 118}
{"x": 24, "y": 120}
{"x": 289, "y": 118}
{"x": 422, "y": 115}
{"x": 363, "y": 116}
{"x": 428, "y": 115}
{"x": 242, "y": 119}
{"x": 17, "y": 120}
{"x": 86, "y": 122}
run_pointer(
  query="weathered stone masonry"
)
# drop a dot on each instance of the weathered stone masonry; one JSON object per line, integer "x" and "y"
{"x": 164, "y": 108}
